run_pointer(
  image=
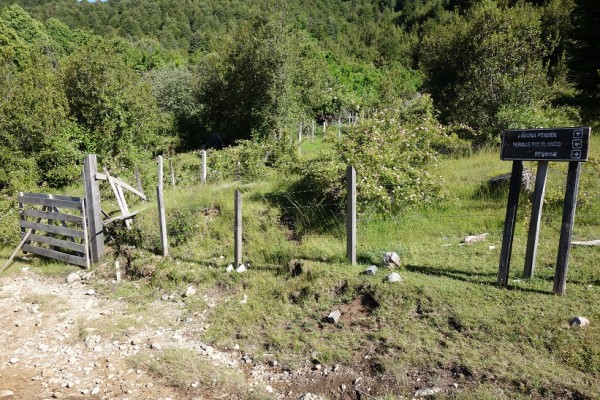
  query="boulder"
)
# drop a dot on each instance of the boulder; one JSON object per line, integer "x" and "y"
{"x": 394, "y": 277}
{"x": 391, "y": 259}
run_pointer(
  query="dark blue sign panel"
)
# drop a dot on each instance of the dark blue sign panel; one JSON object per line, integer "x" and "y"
{"x": 557, "y": 144}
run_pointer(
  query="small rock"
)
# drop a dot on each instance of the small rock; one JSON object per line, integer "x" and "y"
{"x": 6, "y": 393}
{"x": 13, "y": 360}
{"x": 95, "y": 391}
{"x": 242, "y": 268}
{"x": 244, "y": 299}
{"x": 427, "y": 392}
{"x": 391, "y": 259}
{"x": 394, "y": 277}
{"x": 73, "y": 277}
{"x": 164, "y": 297}
{"x": 342, "y": 387}
{"x": 269, "y": 389}
{"x": 90, "y": 292}
{"x": 492, "y": 247}
{"x": 579, "y": 321}
{"x": 334, "y": 316}
{"x": 156, "y": 346}
{"x": 57, "y": 395}
{"x": 372, "y": 270}
{"x": 474, "y": 238}
{"x": 229, "y": 268}
{"x": 190, "y": 291}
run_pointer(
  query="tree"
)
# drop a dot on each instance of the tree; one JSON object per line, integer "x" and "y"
{"x": 111, "y": 102}
{"x": 492, "y": 59}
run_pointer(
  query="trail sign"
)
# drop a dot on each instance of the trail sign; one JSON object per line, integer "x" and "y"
{"x": 542, "y": 145}
{"x": 560, "y": 144}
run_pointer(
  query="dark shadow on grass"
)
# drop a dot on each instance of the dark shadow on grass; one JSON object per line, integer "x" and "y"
{"x": 488, "y": 278}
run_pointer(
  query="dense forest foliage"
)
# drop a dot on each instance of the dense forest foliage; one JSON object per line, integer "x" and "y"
{"x": 129, "y": 79}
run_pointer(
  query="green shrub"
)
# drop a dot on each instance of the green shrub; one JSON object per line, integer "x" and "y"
{"x": 391, "y": 153}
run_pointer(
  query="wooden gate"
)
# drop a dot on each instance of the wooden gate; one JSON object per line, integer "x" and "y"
{"x": 63, "y": 236}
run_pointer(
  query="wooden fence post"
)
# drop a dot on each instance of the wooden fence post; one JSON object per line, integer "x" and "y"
{"x": 324, "y": 128}
{"x": 351, "y": 215}
{"x": 93, "y": 209}
{"x": 300, "y": 133}
{"x": 203, "y": 176}
{"x": 509, "y": 222}
{"x": 161, "y": 210}
{"x": 566, "y": 232}
{"x": 312, "y": 132}
{"x": 160, "y": 171}
{"x": 339, "y": 127}
{"x": 536, "y": 218}
{"x": 238, "y": 229}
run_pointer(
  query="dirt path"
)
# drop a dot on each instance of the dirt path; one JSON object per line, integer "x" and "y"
{"x": 64, "y": 340}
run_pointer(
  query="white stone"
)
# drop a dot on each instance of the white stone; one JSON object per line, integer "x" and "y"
{"x": 90, "y": 292}
{"x": 391, "y": 259}
{"x": 190, "y": 291}
{"x": 73, "y": 277}
{"x": 6, "y": 393}
{"x": 155, "y": 346}
{"x": 394, "y": 277}
{"x": 334, "y": 316}
{"x": 242, "y": 268}
{"x": 579, "y": 321}
{"x": 372, "y": 270}
{"x": 244, "y": 299}
{"x": 229, "y": 268}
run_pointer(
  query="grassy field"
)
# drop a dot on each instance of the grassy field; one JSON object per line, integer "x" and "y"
{"x": 445, "y": 322}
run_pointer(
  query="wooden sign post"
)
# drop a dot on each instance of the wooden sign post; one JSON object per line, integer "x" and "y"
{"x": 543, "y": 145}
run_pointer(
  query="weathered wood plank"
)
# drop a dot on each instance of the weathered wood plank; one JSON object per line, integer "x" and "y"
{"x": 40, "y": 201}
{"x": 93, "y": 209}
{"x": 121, "y": 217}
{"x": 50, "y": 196}
{"x": 586, "y": 243}
{"x": 53, "y": 229}
{"x": 57, "y": 255}
{"x": 351, "y": 215}
{"x": 566, "y": 232}
{"x": 162, "y": 221}
{"x": 509, "y": 222}
{"x": 120, "y": 200}
{"x": 76, "y": 219}
{"x": 535, "y": 220}
{"x": 237, "y": 228}
{"x": 65, "y": 244}
{"x": 127, "y": 186}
